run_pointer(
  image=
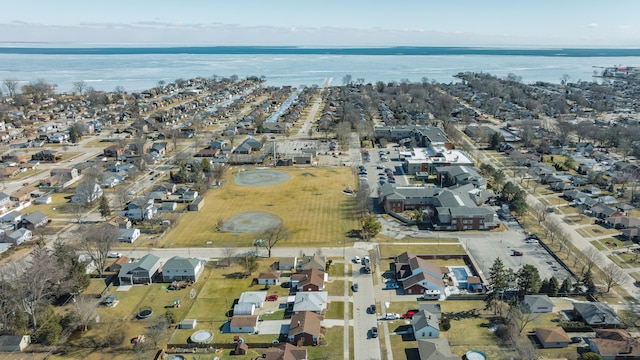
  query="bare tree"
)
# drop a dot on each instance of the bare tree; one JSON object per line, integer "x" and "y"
{"x": 155, "y": 332}
{"x": 591, "y": 257}
{"x": 521, "y": 318}
{"x": 79, "y": 87}
{"x": 122, "y": 195}
{"x": 97, "y": 241}
{"x": 540, "y": 212}
{"x": 229, "y": 252}
{"x": 11, "y": 85}
{"x": 36, "y": 280}
{"x": 85, "y": 310}
{"x": 612, "y": 276}
{"x": 273, "y": 236}
{"x": 78, "y": 210}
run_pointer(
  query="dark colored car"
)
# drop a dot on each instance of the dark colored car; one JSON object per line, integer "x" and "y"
{"x": 273, "y": 297}
{"x": 372, "y": 309}
{"x": 409, "y": 314}
{"x": 354, "y": 287}
{"x": 374, "y": 332}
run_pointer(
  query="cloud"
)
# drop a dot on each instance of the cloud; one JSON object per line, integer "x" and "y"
{"x": 593, "y": 25}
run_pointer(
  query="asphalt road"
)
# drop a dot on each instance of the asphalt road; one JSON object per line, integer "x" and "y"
{"x": 365, "y": 347}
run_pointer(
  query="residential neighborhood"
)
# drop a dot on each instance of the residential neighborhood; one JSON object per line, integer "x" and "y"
{"x": 224, "y": 218}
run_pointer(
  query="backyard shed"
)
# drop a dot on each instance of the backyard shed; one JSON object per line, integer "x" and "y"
{"x": 188, "y": 324}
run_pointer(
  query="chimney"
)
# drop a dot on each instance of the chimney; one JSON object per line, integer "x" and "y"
{"x": 298, "y": 323}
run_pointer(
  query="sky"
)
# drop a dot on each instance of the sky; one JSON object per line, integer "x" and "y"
{"x": 327, "y": 23}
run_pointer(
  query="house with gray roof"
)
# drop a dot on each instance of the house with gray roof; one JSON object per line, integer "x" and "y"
{"x": 34, "y": 220}
{"x": 425, "y": 325}
{"x": 309, "y": 262}
{"x": 180, "y": 269}
{"x": 435, "y": 349}
{"x": 253, "y": 297}
{"x": 537, "y": 303}
{"x": 596, "y": 314}
{"x": 315, "y": 301}
{"x": 459, "y": 175}
{"x": 141, "y": 271}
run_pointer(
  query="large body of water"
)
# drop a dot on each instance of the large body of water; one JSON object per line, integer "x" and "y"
{"x": 141, "y": 68}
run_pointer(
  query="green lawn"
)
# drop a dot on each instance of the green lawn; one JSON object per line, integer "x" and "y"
{"x": 334, "y": 348}
{"x": 336, "y": 310}
{"x": 335, "y": 288}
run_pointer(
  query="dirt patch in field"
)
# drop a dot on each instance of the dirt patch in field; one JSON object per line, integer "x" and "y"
{"x": 260, "y": 177}
{"x": 250, "y": 221}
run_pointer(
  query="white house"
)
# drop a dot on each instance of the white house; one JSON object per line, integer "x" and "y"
{"x": 13, "y": 344}
{"x": 425, "y": 325}
{"x": 315, "y": 301}
{"x": 19, "y": 236}
{"x": 128, "y": 235}
{"x": 254, "y": 297}
{"x": 269, "y": 278}
{"x": 243, "y": 324}
{"x": 537, "y": 303}
{"x": 87, "y": 192}
{"x": 43, "y": 200}
{"x": 182, "y": 269}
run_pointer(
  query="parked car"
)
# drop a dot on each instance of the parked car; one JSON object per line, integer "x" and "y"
{"x": 273, "y": 297}
{"x": 516, "y": 253}
{"x": 354, "y": 287}
{"x": 356, "y": 259}
{"x": 409, "y": 314}
{"x": 372, "y": 309}
{"x": 380, "y": 166}
{"x": 374, "y": 332}
{"x": 392, "y": 316}
{"x": 114, "y": 255}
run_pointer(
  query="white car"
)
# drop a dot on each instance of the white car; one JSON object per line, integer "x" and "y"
{"x": 114, "y": 255}
{"x": 392, "y": 316}
{"x": 356, "y": 259}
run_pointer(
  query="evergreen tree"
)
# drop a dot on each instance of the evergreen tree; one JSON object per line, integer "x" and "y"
{"x": 587, "y": 281}
{"x": 544, "y": 287}
{"x": 554, "y": 286}
{"x": 498, "y": 281}
{"x": 103, "y": 207}
{"x": 528, "y": 280}
{"x": 371, "y": 226}
{"x": 566, "y": 287}
{"x": 206, "y": 166}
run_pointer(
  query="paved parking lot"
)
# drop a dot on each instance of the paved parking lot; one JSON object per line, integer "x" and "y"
{"x": 485, "y": 248}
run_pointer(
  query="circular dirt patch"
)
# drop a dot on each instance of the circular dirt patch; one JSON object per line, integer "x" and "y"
{"x": 260, "y": 177}
{"x": 251, "y": 221}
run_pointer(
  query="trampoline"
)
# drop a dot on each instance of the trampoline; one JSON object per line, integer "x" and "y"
{"x": 143, "y": 314}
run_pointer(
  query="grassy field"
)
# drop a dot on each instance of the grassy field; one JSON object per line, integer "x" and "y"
{"x": 311, "y": 205}
{"x": 335, "y": 288}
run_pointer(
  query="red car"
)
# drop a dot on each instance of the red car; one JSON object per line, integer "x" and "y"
{"x": 408, "y": 315}
{"x": 273, "y": 297}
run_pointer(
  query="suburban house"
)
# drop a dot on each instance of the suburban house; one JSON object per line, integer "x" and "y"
{"x": 455, "y": 208}
{"x": 305, "y": 328}
{"x": 312, "y": 262}
{"x": 13, "y": 344}
{"x": 117, "y": 265}
{"x": 435, "y": 349}
{"x": 537, "y": 303}
{"x": 553, "y": 337}
{"x": 269, "y": 278}
{"x": 12, "y": 217}
{"x": 459, "y": 175}
{"x": 287, "y": 263}
{"x": 243, "y": 324}
{"x": 139, "y": 272}
{"x": 614, "y": 344}
{"x": 17, "y": 237}
{"x": 65, "y": 174}
{"x": 34, "y": 220}
{"x": 425, "y": 325}
{"x": 87, "y": 192}
{"x": 285, "y": 352}
{"x": 128, "y": 235}
{"x": 417, "y": 274}
{"x": 140, "y": 209}
{"x": 315, "y": 301}
{"x": 254, "y": 297}
{"x": 309, "y": 280}
{"x": 596, "y": 314}
{"x": 5, "y": 202}
{"x": 180, "y": 269}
